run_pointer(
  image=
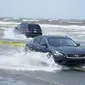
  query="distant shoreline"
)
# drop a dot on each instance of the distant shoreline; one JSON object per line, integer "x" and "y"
{"x": 44, "y": 21}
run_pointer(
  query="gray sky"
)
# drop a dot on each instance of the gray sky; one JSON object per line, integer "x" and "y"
{"x": 52, "y": 9}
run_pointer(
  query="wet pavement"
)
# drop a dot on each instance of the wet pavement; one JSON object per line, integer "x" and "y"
{"x": 58, "y": 77}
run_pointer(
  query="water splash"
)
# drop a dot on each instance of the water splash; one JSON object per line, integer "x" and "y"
{"x": 9, "y": 34}
{"x": 31, "y": 61}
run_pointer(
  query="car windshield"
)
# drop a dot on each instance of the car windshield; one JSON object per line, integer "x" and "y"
{"x": 61, "y": 42}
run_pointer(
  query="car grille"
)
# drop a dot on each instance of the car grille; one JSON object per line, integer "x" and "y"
{"x": 76, "y": 55}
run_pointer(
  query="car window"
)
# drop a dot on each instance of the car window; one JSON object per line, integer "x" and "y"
{"x": 43, "y": 41}
{"x": 23, "y": 25}
{"x": 34, "y": 26}
{"x": 61, "y": 42}
{"x": 37, "y": 40}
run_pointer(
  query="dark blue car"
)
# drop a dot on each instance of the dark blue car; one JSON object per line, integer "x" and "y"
{"x": 28, "y": 29}
{"x": 64, "y": 50}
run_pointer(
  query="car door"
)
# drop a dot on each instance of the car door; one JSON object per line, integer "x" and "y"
{"x": 43, "y": 45}
{"x": 39, "y": 44}
{"x": 23, "y": 27}
{"x": 36, "y": 44}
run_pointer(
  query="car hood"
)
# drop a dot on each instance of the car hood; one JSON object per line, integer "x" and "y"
{"x": 70, "y": 50}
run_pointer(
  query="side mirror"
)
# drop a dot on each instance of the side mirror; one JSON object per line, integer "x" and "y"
{"x": 78, "y": 44}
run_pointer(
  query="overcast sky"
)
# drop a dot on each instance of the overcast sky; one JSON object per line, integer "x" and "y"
{"x": 52, "y": 9}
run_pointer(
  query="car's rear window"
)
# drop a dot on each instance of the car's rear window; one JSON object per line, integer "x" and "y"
{"x": 34, "y": 26}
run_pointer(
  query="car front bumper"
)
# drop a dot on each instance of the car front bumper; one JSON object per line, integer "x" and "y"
{"x": 69, "y": 61}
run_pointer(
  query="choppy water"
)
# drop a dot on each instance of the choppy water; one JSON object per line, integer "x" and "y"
{"x": 15, "y": 59}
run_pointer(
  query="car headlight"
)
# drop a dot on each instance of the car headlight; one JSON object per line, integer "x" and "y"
{"x": 57, "y": 53}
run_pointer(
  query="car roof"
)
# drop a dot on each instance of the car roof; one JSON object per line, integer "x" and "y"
{"x": 55, "y": 36}
{"x": 29, "y": 23}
